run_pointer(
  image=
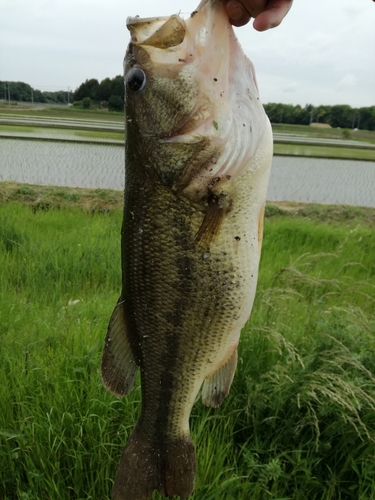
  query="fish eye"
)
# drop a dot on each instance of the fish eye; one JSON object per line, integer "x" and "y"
{"x": 136, "y": 79}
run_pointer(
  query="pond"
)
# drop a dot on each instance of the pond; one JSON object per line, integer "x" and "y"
{"x": 315, "y": 180}
{"x": 62, "y": 164}
{"x": 96, "y": 166}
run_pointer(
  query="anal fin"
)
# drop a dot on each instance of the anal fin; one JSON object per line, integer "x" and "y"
{"x": 118, "y": 367}
{"x": 216, "y": 387}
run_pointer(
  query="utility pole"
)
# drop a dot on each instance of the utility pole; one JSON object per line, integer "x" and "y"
{"x": 8, "y": 94}
{"x": 68, "y": 96}
{"x": 32, "y": 97}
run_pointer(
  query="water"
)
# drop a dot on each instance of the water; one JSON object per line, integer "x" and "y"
{"x": 62, "y": 164}
{"x": 314, "y": 180}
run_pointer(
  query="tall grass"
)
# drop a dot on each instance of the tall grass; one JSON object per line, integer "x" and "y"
{"x": 299, "y": 422}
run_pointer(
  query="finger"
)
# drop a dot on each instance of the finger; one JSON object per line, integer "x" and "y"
{"x": 237, "y": 14}
{"x": 273, "y": 15}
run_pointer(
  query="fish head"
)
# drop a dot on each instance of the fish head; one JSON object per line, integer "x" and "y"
{"x": 191, "y": 99}
{"x": 158, "y": 96}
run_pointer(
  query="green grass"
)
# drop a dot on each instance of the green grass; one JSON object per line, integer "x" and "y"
{"x": 326, "y": 133}
{"x": 117, "y": 136}
{"x": 61, "y": 112}
{"x": 324, "y": 151}
{"x": 17, "y": 129}
{"x": 299, "y": 422}
{"x": 68, "y": 133}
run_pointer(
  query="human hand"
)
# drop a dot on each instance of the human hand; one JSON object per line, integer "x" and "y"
{"x": 267, "y": 13}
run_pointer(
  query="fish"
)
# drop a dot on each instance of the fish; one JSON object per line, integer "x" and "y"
{"x": 198, "y": 155}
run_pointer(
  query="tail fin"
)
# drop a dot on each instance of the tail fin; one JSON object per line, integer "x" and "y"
{"x": 145, "y": 466}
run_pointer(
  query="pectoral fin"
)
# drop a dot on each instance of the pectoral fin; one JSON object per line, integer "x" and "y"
{"x": 118, "y": 367}
{"x": 216, "y": 387}
{"x": 218, "y": 206}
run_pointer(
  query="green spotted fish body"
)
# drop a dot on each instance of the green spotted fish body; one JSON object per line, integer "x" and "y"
{"x": 198, "y": 156}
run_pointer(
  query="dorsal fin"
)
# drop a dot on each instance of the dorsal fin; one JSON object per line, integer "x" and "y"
{"x": 118, "y": 367}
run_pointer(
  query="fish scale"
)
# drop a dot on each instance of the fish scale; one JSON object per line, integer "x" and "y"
{"x": 195, "y": 189}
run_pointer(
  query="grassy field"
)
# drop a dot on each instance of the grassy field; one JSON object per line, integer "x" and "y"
{"x": 60, "y": 112}
{"x": 322, "y": 132}
{"x": 324, "y": 152}
{"x": 91, "y": 114}
{"x": 279, "y": 149}
{"x": 299, "y": 422}
{"x": 60, "y": 133}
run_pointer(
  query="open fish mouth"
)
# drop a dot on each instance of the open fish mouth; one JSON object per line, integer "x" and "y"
{"x": 159, "y": 32}
{"x": 169, "y": 31}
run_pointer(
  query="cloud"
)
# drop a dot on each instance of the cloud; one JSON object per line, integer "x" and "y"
{"x": 347, "y": 82}
{"x": 318, "y": 54}
{"x": 290, "y": 88}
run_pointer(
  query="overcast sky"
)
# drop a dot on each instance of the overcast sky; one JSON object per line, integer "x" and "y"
{"x": 323, "y": 52}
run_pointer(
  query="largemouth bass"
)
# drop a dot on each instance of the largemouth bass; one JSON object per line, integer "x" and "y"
{"x": 198, "y": 156}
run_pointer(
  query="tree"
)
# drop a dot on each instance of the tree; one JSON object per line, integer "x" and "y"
{"x": 321, "y": 114}
{"x": 17, "y": 91}
{"x": 104, "y": 90}
{"x": 115, "y": 103}
{"x": 86, "y": 89}
{"x": 108, "y": 90}
{"x": 39, "y": 96}
{"x": 341, "y": 115}
{"x": 86, "y": 102}
{"x": 59, "y": 97}
{"x": 118, "y": 87}
{"x": 365, "y": 118}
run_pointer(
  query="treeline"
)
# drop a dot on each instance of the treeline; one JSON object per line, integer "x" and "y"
{"x": 340, "y": 115}
{"x": 23, "y": 92}
{"x": 109, "y": 92}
